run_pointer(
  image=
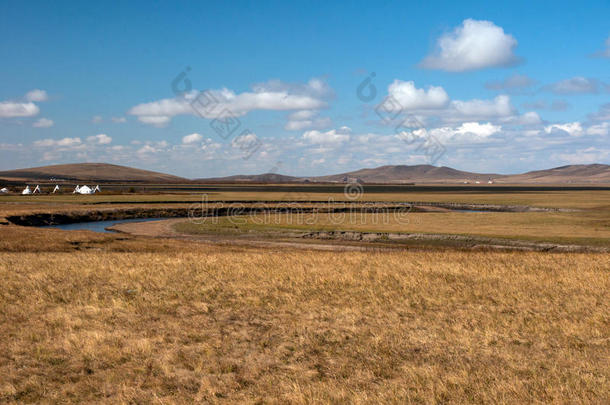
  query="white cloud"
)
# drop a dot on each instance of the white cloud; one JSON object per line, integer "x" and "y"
{"x": 471, "y": 46}
{"x": 43, "y": 123}
{"x": 602, "y": 129}
{"x": 64, "y": 142}
{"x": 273, "y": 95}
{"x": 96, "y": 119}
{"x": 530, "y": 118}
{"x": 577, "y": 85}
{"x": 36, "y": 95}
{"x": 119, "y": 120}
{"x": 467, "y": 132}
{"x": 153, "y": 148}
{"x": 500, "y": 106}
{"x": 100, "y": 139}
{"x": 13, "y": 109}
{"x": 332, "y": 137}
{"x": 411, "y": 98}
{"x": 477, "y": 129}
{"x": 10, "y": 109}
{"x": 157, "y": 121}
{"x": 306, "y": 119}
{"x": 191, "y": 139}
{"x": 571, "y": 128}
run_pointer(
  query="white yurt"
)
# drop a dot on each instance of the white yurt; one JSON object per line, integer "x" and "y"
{"x": 4, "y": 190}
{"x": 84, "y": 190}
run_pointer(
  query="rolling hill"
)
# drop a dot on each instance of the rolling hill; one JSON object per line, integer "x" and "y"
{"x": 393, "y": 174}
{"x": 594, "y": 173}
{"x": 89, "y": 172}
{"x": 256, "y": 178}
{"x": 408, "y": 174}
{"x": 397, "y": 174}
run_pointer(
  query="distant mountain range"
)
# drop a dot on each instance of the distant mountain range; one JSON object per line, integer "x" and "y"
{"x": 398, "y": 174}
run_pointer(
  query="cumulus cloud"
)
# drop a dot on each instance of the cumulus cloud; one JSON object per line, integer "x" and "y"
{"x": 157, "y": 121}
{"x": 471, "y": 46}
{"x": 478, "y": 129}
{"x": 602, "y": 129}
{"x": 11, "y": 109}
{"x": 332, "y": 137}
{"x": 150, "y": 148}
{"x": 411, "y": 98}
{"x": 100, "y": 139}
{"x": 577, "y": 85}
{"x": 306, "y": 119}
{"x": 43, "y": 123}
{"x": 477, "y": 109}
{"x": 191, "y": 139}
{"x": 24, "y": 107}
{"x": 36, "y": 95}
{"x": 64, "y": 142}
{"x": 435, "y": 103}
{"x": 211, "y": 104}
{"x": 571, "y": 128}
{"x": 468, "y": 132}
{"x": 514, "y": 83}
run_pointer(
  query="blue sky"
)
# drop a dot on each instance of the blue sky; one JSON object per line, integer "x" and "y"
{"x": 482, "y": 86}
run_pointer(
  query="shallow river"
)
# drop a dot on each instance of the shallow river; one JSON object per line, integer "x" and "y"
{"x": 98, "y": 226}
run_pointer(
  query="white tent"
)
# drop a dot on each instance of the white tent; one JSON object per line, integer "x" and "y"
{"x": 97, "y": 189}
{"x": 76, "y": 189}
{"x": 4, "y": 190}
{"x": 56, "y": 189}
{"x": 84, "y": 190}
{"x": 36, "y": 190}
{"x": 26, "y": 191}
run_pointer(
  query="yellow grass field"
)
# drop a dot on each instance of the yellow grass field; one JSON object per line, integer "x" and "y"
{"x": 112, "y": 318}
{"x": 201, "y": 323}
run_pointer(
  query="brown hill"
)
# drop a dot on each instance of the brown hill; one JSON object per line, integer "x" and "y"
{"x": 409, "y": 174}
{"x": 594, "y": 173}
{"x": 90, "y": 172}
{"x": 255, "y": 178}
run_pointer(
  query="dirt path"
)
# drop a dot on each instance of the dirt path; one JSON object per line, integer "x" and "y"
{"x": 348, "y": 241}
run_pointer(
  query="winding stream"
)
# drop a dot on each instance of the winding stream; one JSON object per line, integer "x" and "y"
{"x": 98, "y": 226}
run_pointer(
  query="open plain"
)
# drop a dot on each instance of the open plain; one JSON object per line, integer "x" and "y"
{"x": 243, "y": 308}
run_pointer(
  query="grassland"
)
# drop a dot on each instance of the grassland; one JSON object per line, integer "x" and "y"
{"x": 113, "y": 318}
{"x": 556, "y": 199}
{"x": 582, "y": 228}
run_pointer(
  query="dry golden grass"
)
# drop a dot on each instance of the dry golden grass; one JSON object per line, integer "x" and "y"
{"x": 558, "y": 199}
{"x": 108, "y": 318}
{"x": 151, "y": 321}
{"x": 585, "y": 228}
